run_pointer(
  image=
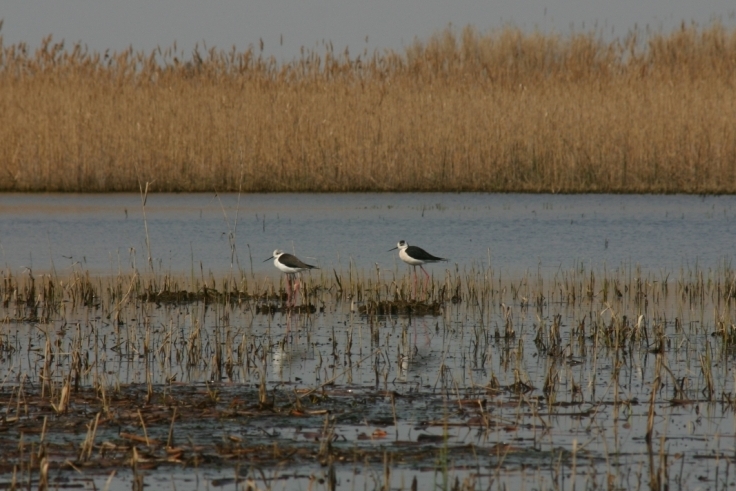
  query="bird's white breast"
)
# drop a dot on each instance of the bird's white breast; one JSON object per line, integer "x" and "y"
{"x": 408, "y": 259}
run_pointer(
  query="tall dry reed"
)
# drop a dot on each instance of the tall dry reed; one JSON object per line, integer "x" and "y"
{"x": 498, "y": 111}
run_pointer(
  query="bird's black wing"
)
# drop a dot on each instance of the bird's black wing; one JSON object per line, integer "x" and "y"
{"x": 292, "y": 261}
{"x": 422, "y": 255}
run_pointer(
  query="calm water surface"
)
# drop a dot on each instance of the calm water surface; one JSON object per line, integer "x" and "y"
{"x": 516, "y": 232}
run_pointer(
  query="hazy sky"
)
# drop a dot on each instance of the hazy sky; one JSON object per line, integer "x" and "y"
{"x": 145, "y": 24}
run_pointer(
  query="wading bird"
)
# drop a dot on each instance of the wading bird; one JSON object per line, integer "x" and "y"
{"x": 291, "y": 265}
{"x": 416, "y": 256}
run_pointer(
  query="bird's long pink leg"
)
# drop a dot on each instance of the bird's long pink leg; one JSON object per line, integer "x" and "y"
{"x": 297, "y": 285}
{"x": 426, "y": 282}
{"x": 416, "y": 292}
{"x": 288, "y": 288}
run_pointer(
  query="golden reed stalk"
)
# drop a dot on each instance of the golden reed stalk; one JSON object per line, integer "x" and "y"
{"x": 502, "y": 111}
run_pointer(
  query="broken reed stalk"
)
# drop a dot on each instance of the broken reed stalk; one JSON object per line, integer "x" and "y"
{"x": 89, "y": 442}
{"x": 650, "y": 414}
{"x": 144, "y": 199}
{"x": 143, "y": 425}
{"x": 61, "y": 406}
{"x": 170, "y": 439}
{"x": 706, "y": 366}
{"x": 43, "y": 475}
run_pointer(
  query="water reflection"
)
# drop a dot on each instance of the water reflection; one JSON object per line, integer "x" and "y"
{"x": 414, "y": 351}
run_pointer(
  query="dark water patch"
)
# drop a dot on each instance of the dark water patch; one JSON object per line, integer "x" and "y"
{"x": 204, "y": 295}
{"x": 401, "y": 307}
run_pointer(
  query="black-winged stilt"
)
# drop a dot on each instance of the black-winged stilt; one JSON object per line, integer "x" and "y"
{"x": 291, "y": 265}
{"x": 416, "y": 256}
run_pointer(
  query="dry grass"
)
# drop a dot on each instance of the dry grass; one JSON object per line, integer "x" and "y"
{"x": 498, "y": 111}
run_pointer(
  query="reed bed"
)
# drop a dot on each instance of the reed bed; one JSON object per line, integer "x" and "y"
{"x": 463, "y": 111}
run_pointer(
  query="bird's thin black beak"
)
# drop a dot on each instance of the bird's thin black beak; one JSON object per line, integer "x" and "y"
{"x": 393, "y": 249}
{"x": 268, "y": 259}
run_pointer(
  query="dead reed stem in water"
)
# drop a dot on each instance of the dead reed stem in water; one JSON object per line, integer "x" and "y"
{"x": 650, "y": 414}
{"x": 497, "y": 111}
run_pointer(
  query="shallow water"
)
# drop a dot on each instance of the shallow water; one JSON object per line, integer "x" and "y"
{"x": 413, "y": 390}
{"x": 418, "y": 391}
{"x": 515, "y": 232}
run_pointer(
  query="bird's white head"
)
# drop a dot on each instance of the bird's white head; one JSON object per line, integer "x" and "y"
{"x": 402, "y": 245}
{"x": 276, "y": 254}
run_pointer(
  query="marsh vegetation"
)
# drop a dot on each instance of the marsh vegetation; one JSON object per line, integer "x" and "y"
{"x": 604, "y": 379}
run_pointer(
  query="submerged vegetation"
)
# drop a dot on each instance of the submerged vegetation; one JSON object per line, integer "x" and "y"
{"x": 612, "y": 379}
{"x": 498, "y": 111}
